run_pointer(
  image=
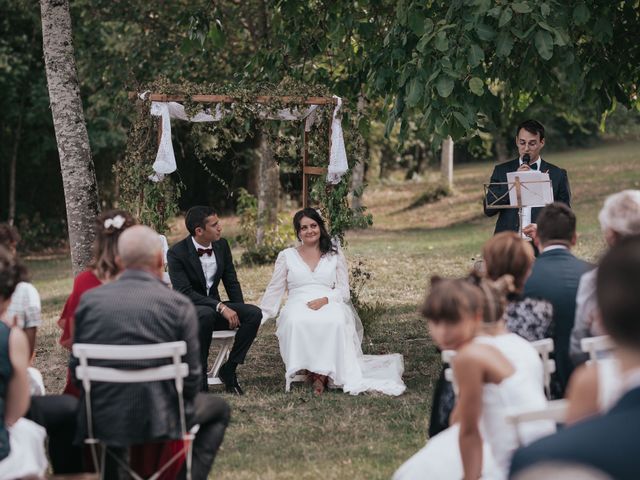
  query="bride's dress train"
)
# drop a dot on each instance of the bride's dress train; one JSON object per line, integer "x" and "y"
{"x": 328, "y": 340}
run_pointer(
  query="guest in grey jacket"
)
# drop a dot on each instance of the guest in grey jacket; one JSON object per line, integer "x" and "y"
{"x": 138, "y": 309}
{"x": 619, "y": 218}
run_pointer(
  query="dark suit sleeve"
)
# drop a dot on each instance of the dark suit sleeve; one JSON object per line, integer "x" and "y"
{"x": 189, "y": 320}
{"x": 229, "y": 276}
{"x": 181, "y": 282}
{"x": 497, "y": 191}
{"x": 564, "y": 191}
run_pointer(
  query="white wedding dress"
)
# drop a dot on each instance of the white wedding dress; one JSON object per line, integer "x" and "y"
{"x": 523, "y": 390}
{"x": 325, "y": 341}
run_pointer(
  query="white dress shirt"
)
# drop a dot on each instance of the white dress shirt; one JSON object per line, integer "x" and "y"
{"x": 526, "y": 211}
{"x": 209, "y": 264}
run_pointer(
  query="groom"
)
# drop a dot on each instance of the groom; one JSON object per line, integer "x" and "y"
{"x": 197, "y": 264}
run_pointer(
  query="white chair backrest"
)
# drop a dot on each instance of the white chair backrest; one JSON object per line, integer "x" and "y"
{"x": 596, "y": 346}
{"x": 555, "y": 410}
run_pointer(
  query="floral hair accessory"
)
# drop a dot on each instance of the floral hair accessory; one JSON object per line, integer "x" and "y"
{"x": 116, "y": 222}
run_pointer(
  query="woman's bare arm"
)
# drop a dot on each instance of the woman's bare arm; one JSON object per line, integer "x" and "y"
{"x": 582, "y": 394}
{"x": 17, "y": 401}
{"x": 469, "y": 372}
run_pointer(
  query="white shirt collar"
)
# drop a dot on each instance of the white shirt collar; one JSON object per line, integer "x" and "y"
{"x": 555, "y": 247}
{"x": 197, "y": 245}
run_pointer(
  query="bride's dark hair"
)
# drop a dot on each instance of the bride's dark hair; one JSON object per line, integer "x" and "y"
{"x": 326, "y": 245}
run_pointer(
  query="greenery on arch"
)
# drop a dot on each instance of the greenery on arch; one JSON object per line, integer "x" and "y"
{"x": 156, "y": 203}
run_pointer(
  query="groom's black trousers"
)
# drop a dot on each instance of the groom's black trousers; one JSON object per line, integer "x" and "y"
{"x": 209, "y": 320}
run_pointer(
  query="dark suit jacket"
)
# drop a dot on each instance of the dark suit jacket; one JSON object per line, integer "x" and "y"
{"x": 555, "y": 277}
{"x": 187, "y": 277}
{"x": 608, "y": 443}
{"x": 508, "y": 217}
{"x": 137, "y": 309}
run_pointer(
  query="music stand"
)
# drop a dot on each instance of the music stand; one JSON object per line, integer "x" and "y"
{"x": 526, "y": 188}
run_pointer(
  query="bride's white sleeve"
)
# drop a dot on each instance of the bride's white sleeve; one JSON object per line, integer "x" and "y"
{"x": 341, "y": 292}
{"x": 270, "y": 303}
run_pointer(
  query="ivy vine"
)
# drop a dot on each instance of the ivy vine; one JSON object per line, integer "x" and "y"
{"x": 156, "y": 203}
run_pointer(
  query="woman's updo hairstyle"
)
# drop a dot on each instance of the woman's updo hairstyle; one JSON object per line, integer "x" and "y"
{"x": 494, "y": 295}
{"x": 109, "y": 225}
{"x": 326, "y": 245}
{"x": 11, "y": 273}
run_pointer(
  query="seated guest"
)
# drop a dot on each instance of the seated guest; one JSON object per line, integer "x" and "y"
{"x": 197, "y": 265}
{"x": 619, "y": 217}
{"x": 22, "y": 452}
{"x": 504, "y": 254}
{"x": 554, "y": 277}
{"x": 608, "y": 442}
{"x": 495, "y": 371}
{"x": 102, "y": 269}
{"x": 24, "y": 309}
{"x": 138, "y": 309}
{"x": 508, "y": 254}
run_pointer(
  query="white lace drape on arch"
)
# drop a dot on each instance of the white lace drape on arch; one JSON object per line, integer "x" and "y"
{"x": 165, "y": 161}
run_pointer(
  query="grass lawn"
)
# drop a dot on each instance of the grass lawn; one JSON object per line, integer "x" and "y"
{"x": 337, "y": 436}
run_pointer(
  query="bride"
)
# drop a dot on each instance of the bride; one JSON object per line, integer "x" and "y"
{"x": 318, "y": 329}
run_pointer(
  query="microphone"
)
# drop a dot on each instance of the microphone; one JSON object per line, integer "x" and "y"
{"x": 526, "y": 159}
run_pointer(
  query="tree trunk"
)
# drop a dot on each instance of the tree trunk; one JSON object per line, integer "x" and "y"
{"x": 12, "y": 169}
{"x": 502, "y": 152}
{"x": 446, "y": 159}
{"x": 78, "y": 173}
{"x": 268, "y": 189}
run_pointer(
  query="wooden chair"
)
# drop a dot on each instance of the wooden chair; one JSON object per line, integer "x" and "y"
{"x": 596, "y": 346}
{"x": 224, "y": 340}
{"x": 176, "y": 371}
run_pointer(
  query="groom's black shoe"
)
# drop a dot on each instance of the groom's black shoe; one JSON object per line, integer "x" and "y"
{"x": 228, "y": 376}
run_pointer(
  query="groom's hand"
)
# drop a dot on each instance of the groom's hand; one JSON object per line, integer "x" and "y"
{"x": 318, "y": 303}
{"x": 232, "y": 317}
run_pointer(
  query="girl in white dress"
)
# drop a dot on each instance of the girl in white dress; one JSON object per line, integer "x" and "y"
{"x": 318, "y": 329}
{"x": 495, "y": 372}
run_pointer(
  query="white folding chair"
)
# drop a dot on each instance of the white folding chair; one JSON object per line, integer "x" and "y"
{"x": 176, "y": 371}
{"x": 223, "y": 339}
{"x": 596, "y": 346}
{"x": 555, "y": 410}
{"x": 544, "y": 348}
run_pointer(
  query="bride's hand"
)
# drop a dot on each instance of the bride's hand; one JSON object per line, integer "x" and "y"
{"x": 318, "y": 303}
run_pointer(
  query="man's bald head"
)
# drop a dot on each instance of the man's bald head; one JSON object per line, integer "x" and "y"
{"x": 140, "y": 247}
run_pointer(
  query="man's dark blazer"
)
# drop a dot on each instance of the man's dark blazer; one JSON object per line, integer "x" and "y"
{"x": 608, "y": 443}
{"x": 508, "y": 217}
{"x": 187, "y": 277}
{"x": 555, "y": 277}
{"x": 137, "y": 309}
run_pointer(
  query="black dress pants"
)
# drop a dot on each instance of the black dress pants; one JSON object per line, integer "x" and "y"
{"x": 57, "y": 414}
{"x": 209, "y": 320}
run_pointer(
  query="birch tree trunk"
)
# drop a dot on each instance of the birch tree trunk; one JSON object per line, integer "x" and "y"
{"x": 268, "y": 189}
{"x": 446, "y": 159}
{"x": 76, "y": 164}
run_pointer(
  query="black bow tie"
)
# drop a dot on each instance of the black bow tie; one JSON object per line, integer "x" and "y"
{"x": 533, "y": 166}
{"x": 202, "y": 251}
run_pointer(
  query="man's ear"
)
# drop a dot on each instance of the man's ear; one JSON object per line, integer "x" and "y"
{"x": 542, "y": 143}
{"x": 119, "y": 263}
{"x": 574, "y": 239}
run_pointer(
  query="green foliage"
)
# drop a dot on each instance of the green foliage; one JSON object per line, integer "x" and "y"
{"x": 459, "y": 72}
{"x": 359, "y": 279}
{"x": 277, "y": 237}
